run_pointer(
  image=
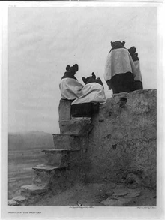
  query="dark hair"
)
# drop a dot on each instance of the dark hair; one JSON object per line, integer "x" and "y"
{"x": 117, "y": 44}
{"x": 133, "y": 54}
{"x": 76, "y": 67}
{"x": 67, "y": 67}
{"x": 132, "y": 50}
{"x": 92, "y": 79}
{"x": 93, "y": 75}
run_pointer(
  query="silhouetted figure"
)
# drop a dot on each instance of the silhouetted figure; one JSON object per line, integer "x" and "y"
{"x": 138, "y": 78}
{"x": 120, "y": 70}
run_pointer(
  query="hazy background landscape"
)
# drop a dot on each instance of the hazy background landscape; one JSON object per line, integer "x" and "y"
{"x": 24, "y": 152}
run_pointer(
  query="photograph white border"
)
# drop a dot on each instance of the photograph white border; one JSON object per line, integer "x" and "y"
{"x": 81, "y": 213}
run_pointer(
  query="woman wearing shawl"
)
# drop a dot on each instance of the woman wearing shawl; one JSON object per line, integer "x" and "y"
{"x": 138, "y": 78}
{"x": 92, "y": 96}
{"x": 120, "y": 70}
{"x": 69, "y": 86}
{"x": 70, "y": 90}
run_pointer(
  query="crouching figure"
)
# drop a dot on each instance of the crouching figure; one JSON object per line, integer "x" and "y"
{"x": 92, "y": 96}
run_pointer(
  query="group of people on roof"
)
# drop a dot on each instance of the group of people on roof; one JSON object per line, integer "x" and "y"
{"x": 122, "y": 74}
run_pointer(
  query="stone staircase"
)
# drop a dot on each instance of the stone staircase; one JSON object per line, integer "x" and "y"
{"x": 63, "y": 165}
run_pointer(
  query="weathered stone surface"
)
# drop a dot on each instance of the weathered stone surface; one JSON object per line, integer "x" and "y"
{"x": 120, "y": 192}
{"x": 49, "y": 176}
{"x": 126, "y": 139}
{"x": 56, "y": 157}
{"x": 64, "y": 110}
{"x": 133, "y": 193}
{"x": 43, "y": 167}
{"x": 64, "y": 141}
{"x": 121, "y": 196}
{"x": 20, "y": 200}
{"x": 76, "y": 126}
{"x": 116, "y": 202}
{"x": 11, "y": 202}
{"x": 123, "y": 191}
{"x": 46, "y": 175}
{"x": 31, "y": 190}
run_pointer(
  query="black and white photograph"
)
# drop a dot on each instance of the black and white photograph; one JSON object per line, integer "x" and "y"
{"x": 82, "y": 106}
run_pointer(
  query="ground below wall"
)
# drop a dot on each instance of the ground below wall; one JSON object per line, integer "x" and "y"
{"x": 100, "y": 194}
{"x": 123, "y": 143}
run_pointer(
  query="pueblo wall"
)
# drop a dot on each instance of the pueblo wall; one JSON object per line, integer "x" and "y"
{"x": 122, "y": 145}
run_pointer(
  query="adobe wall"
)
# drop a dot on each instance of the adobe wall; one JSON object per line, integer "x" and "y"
{"x": 123, "y": 140}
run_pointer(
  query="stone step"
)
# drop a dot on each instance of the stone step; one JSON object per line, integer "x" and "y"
{"x": 56, "y": 157}
{"x": 67, "y": 141}
{"x": 32, "y": 190}
{"x": 59, "y": 157}
{"x": 60, "y": 150}
{"x": 76, "y": 126}
{"x": 20, "y": 200}
{"x": 11, "y": 202}
{"x": 46, "y": 174}
{"x": 47, "y": 168}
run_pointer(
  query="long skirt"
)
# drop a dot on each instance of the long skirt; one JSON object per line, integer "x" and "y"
{"x": 121, "y": 83}
{"x": 84, "y": 109}
{"x": 137, "y": 85}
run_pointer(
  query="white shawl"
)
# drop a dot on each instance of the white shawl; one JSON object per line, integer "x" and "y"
{"x": 70, "y": 88}
{"x": 91, "y": 92}
{"x": 137, "y": 71}
{"x": 118, "y": 61}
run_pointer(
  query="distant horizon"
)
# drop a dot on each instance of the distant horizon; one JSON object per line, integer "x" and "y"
{"x": 23, "y": 132}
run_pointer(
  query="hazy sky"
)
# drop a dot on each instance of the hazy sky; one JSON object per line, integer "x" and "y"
{"x": 42, "y": 41}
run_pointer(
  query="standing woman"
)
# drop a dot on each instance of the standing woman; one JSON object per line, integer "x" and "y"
{"x": 138, "y": 78}
{"x": 120, "y": 70}
{"x": 70, "y": 90}
{"x": 69, "y": 86}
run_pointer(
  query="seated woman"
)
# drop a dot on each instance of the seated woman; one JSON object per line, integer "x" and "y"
{"x": 70, "y": 90}
{"x": 120, "y": 70}
{"x": 69, "y": 86}
{"x": 92, "y": 95}
{"x": 138, "y": 78}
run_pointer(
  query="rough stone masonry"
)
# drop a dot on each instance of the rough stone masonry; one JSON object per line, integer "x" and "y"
{"x": 123, "y": 142}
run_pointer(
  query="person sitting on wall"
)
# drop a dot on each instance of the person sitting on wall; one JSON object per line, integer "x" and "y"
{"x": 70, "y": 90}
{"x": 138, "y": 78}
{"x": 92, "y": 95}
{"x": 120, "y": 70}
{"x": 69, "y": 86}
